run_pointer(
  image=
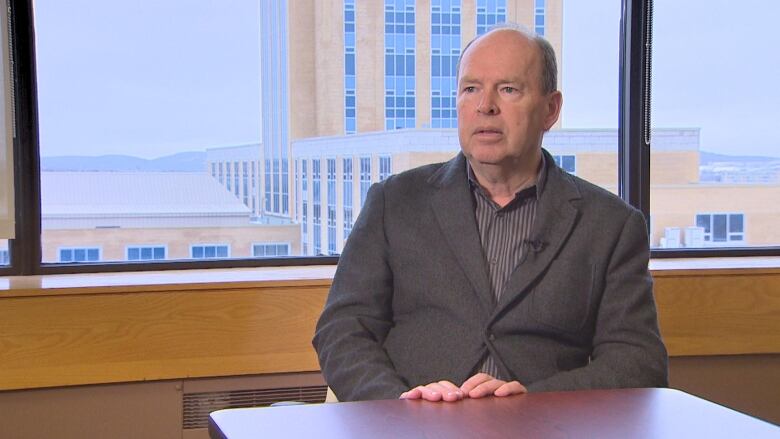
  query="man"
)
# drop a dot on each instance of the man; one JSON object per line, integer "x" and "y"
{"x": 495, "y": 273}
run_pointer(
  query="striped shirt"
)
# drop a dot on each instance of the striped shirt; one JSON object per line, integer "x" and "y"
{"x": 504, "y": 233}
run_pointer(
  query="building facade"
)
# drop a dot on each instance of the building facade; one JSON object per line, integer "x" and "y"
{"x": 340, "y": 67}
{"x": 685, "y": 211}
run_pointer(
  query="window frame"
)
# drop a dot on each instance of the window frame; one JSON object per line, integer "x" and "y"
{"x": 25, "y": 250}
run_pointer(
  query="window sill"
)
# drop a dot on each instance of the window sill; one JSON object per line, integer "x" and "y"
{"x": 313, "y": 275}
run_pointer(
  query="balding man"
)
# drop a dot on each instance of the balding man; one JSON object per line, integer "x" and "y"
{"x": 495, "y": 273}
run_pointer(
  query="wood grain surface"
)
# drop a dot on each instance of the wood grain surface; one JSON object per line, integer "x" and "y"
{"x": 89, "y": 329}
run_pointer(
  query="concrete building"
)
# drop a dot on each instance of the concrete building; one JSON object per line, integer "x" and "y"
{"x": 338, "y": 67}
{"x": 135, "y": 216}
{"x": 332, "y": 176}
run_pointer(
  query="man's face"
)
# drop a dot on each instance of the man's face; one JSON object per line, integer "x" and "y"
{"x": 503, "y": 110}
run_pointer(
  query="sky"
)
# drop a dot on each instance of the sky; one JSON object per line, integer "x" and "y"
{"x": 154, "y": 78}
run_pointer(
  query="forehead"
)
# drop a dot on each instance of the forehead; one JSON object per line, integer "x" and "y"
{"x": 502, "y": 52}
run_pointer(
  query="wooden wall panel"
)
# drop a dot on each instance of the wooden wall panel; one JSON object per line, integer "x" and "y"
{"x": 102, "y": 338}
{"x": 65, "y": 335}
{"x": 719, "y": 313}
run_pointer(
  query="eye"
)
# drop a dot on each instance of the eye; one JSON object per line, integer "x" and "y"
{"x": 509, "y": 90}
{"x": 469, "y": 89}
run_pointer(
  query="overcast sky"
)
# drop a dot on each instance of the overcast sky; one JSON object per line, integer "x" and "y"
{"x": 154, "y": 78}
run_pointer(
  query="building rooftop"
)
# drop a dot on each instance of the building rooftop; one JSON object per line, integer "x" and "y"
{"x": 136, "y": 194}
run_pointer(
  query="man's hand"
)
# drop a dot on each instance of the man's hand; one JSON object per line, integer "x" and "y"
{"x": 439, "y": 391}
{"x": 482, "y": 384}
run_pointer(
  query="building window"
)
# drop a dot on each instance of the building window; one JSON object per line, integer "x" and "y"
{"x": 490, "y": 13}
{"x": 331, "y": 206}
{"x": 539, "y": 17}
{"x": 79, "y": 254}
{"x": 304, "y": 208}
{"x": 221, "y": 174}
{"x": 347, "y": 196}
{"x": 145, "y": 252}
{"x": 227, "y": 176}
{"x": 385, "y": 167}
{"x": 270, "y": 250}
{"x": 317, "y": 207}
{"x": 275, "y": 83}
{"x": 236, "y": 179}
{"x": 350, "y": 105}
{"x": 245, "y": 178}
{"x": 722, "y": 228}
{"x": 445, "y": 50}
{"x": 214, "y": 170}
{"x": 567, "y": 162}
{"x": 210, "y": 251}
{"x": 399, "y": 64}
{"x": 365, "y": 178}
{"x": 4, "y": 257}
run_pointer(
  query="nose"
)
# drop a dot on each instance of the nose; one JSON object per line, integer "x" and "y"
{"x": 487, "y": 104}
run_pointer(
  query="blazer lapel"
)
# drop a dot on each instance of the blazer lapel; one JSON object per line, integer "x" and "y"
{"x": 454, "y": 211}
{"x": 555, "y": 218}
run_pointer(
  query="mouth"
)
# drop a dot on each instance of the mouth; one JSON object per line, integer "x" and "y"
{"x": 487, "y": 132}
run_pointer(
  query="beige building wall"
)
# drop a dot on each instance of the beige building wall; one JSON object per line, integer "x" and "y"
{"x": 370, "y": 61}
{"x": 302, "y": 115}
{"x": 329, "y": 67}
{"x": 317, "y": 60}
{"x": 113, "y": 242}
{"x": 677, "y": 206}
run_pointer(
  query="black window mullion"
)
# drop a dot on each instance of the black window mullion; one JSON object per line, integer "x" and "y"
{"x": 26, "y": 247}
{"x": 633, "y": 105}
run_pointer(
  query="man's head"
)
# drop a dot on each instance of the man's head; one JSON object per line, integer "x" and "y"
{"x": 507, "y": 98}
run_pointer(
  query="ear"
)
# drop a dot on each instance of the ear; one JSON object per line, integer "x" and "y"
{"x": 554, "y": 103}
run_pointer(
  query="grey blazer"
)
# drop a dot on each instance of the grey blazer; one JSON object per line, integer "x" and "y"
{"x": 411, "y": 301}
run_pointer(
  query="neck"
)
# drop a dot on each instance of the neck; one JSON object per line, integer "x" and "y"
{"x": 502, "y": 182}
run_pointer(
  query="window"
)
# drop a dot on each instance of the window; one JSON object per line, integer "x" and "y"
{"x": 566, "y": 162}
{"x": 270, "y": 250}
{"x": 79, "y": 254}
{"x": 132, "y": 169}
{"x": 350, "y": 104}
{"x": 347, "y": 196}
{"x": 445, "y": 50}
{"x": 209, "y": 251}
{"x": 4, "y": 259}
{"x": 385, "y": 168}
{"x": 146, "y": 252}
{"x": 317, "y": 207}
{"x": 490, "y": 13}
{"x": 365, "y": 178}
{"x": 304, "y": 208}
{"x": 400, "y": 43}
{"x": 715, "y": 167}
{"x": 722, "y": 228}
{"x": 331, "y": 206}
{"x": 539, "y": 17}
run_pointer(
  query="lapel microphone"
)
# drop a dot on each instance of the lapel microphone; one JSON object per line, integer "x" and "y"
{"x": 535, "y": 244}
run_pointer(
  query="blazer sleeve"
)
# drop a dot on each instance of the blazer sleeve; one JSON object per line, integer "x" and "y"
{"x": 358, "y": 313}
{"x": 627, "y": 346}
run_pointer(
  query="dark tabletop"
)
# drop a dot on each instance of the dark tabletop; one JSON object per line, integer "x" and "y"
{"x": 623, "y": 413}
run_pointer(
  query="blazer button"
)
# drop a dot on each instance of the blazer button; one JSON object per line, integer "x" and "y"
{"x": 492, "y": 337}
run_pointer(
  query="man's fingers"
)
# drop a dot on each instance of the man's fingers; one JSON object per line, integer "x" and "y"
{"x": 415, "y": 393}
{"x": 486, "y": 388}
{"x": 474, "y": 381}
{"x": 510, "y": 388}
{"x": 439, "y": 391}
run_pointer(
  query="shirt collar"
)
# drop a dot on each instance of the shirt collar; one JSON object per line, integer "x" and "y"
{"x": 538, "y": 186}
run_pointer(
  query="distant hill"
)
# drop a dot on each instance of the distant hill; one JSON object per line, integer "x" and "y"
{"x": 192, "y": 161}
{"x": 710, "y": 157}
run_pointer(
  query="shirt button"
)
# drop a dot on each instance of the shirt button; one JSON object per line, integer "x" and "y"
{"x": 494, "y": 261}
{"x": 492, "y": 337}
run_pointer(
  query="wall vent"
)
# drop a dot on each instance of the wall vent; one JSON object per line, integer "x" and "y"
{"x": 197, "y": 406}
